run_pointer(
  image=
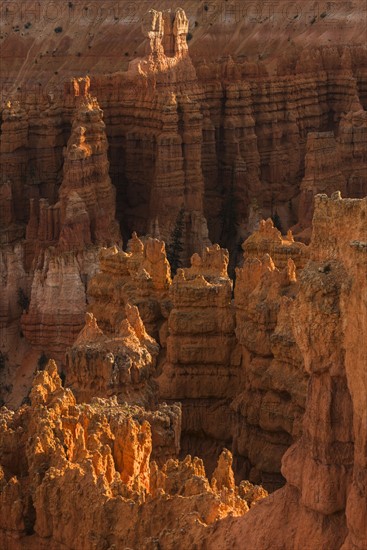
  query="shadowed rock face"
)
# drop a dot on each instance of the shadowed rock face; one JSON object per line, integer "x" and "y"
{"x": 202, "y": 363}
{"x": 100, "y": 452}
{"x": 209, "y": 132}
{"x": 208, "y": 137}
{"x": 324, "y": 499}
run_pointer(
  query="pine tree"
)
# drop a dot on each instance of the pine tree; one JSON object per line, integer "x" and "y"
{"x": 42, "y": 361}
{"x": 23, "y": 300}
{"x": 276, "y": 221}
{"x": 175, "y": 248}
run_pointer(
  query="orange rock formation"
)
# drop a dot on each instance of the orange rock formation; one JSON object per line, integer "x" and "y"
{"x": 270, "y": 405}
{"x": 97, "y": 457}
{"x": 64, "y": 237}
{"x": 121, "y": 365}
{"x": 140, "y": 277}
{"x": 325, "y": 497}
{"x": 269, "y": 240}
{"x": 221, "y": 126}
{"x": 201, "y": 368}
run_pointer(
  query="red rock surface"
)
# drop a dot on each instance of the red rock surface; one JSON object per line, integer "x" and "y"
{"x": 213, "y": 124}
{"x": 97, "y": 457}
{"x": 64, "y": 237}
{"x": 141, "y": 277}
{"x": 324, "y": 499}
{"x": 206, "y": 135}
{"x": 270, "y": 404}
{"x": 201, "y": 367}
{"x": 122, "y": 365}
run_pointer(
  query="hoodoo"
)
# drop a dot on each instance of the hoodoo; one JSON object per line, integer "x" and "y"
{"x": 183, "y": 271}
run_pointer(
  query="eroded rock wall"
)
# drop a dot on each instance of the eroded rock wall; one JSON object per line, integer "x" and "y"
{"x": 206, "y": 138}
{"x": 324, "y": 499}
{"x": 269, "y": 406}
{"x": 202, "y": 364}
{"x": 141, "y": 277}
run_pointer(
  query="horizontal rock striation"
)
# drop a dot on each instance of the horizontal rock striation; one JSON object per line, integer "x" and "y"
{"x": 269, "y": 240}
{"x": 270, "y": 404}
{"x": 141, "y": 276}
{"x": 201, "y": 368}
{"x": 324, "y": 499}
{"x": 206, "y": 138}
{"x": 56, "y": 311}
{"x": 121, "y": 365}
{"x": 64, "y": 238}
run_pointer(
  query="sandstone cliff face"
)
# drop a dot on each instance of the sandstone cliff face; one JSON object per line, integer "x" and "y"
{"x": 206, "y": 137}
{"x": 13, "y": 148}
{"x": 199, "y": 150}
{"x": 253, "y": 138}
{"x": 14, "y": 284}
{"x": 86, "y": 173}
{"x": 64, "y": 237}
{"x": 322, "y": 175}
{"x": 85, "y": 211}
{"x": 201, "y": 368}
{"x": 97, "y": 456}
{"x": 121, "y": 365}
{"x": 249, "y": 393}
{"x": 269, "y": 240}
{"x": 352, "y": 137}
{"x": 58, "y": 301}
{"x": 141, "y": 276}
{"x": 324, "y": 499}
{"x": 160, "y": 126}
{"x": 270, "y": 404}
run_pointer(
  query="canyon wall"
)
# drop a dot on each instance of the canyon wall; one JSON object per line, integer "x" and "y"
{"x": 196, "y": 152}
{"x": 270, "y": 404}
{"x": 62, "y": 239}
{"x": 324, "y": 499}
{"x": 183, "y": 143}
{"x": 202, "y": 363}
{"x": 292, "y": 370}
{"x": 206, "y": 138}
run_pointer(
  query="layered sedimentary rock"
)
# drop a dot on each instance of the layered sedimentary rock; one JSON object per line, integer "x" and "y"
{"x": 64, "y": 238}
{"x": 269, "y": 240}
{"x": 161, "y": 136}
{"x": 201, "y": 368}
{"x": 333, "y": 163}
{"x": 121, "y": 365}
{"x": 270, "y": 404}
{"x": 141, "y": 276}
{"x": 195, "y": 145}
{"x": 85, "y": 211}
{"x": 262, "y": 125}
{"x": 58, "y": 300}
{"x": 322, "y": 175}
{"x": 352, "y": 150}
{"x": 10, "y": 230}
{"x": 13, "y": 278}
{"x": 206, "y": 137}
{"x": 86, "y": 172}
{"x": 13, "y": 158}
{"x": 325, "y": 498}
{"x": 14, "y": 288}
{"x": 97, "y": 456}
